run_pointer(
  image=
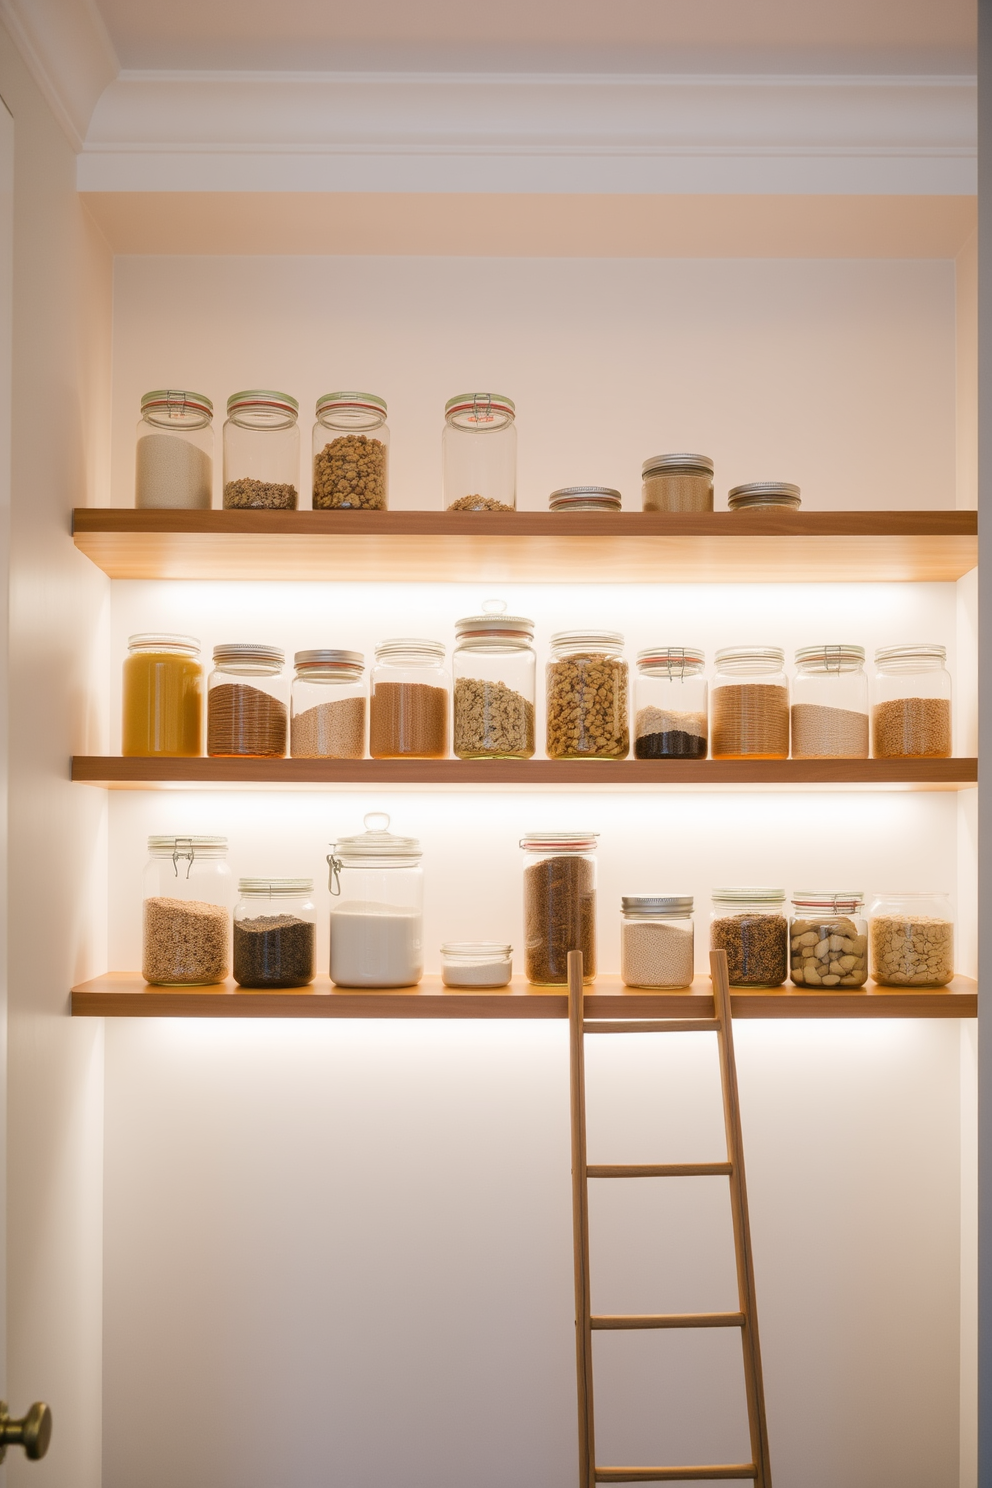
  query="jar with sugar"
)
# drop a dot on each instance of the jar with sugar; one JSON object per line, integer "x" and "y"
{"x": 174, "y": 453}
{"x": 377, "y": 918}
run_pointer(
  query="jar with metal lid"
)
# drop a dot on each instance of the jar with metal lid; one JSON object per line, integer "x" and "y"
{"x": 911, "y": 711}
{"x": 186, "y": 912}
{"x": 275, "y": 933}
{"x": 247, "y": 701}
{"x": 912, "y": 939}
{"x": 377, "y": 921}
{"x": 162, "y": 696}
{"x": 476, "y": 963}
{"x": 749, "y": 704}
{"x": 174, "y": 453}
{"x": 828, "y": 939}
{"x": 408, "y": 705}
{"x": 670, "y": 703}
{"x": 830, "y": 703}
{"x": 494, "y": 670}
{"x": 559, "y": 904}
{"x": 261, "y": 452}
{"x": 479, "y": 453}
{"x": 677, "y": 483}
{"x": 328, "y": 705}
{"x": 587, "y": 696}
{"x": 656, "y": 940}
{"x": 750, "y": 925}
{"x": 350, "y": 453}
{"x": 585, "y": 499}
{"x": 764, "y": 496}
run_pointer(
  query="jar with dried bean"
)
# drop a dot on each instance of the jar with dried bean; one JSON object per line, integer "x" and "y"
{"x": 494, "y": 668}
{"x": 829, "y": 940}
{"x": 587, "y": 696}
{"x": 911, "y": 716}
{"x": 750, "y": 925}
{"x": 247, "y": 702}
{"x": 749, "y": 704}
{"x": 350, "y": 453}
{"x": 912, "y": 940}
{"x": 559, "y": 904}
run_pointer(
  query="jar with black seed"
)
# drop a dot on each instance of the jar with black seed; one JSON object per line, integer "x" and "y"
{"x": 275, "y": 933}
{"x": 670, "y": 703}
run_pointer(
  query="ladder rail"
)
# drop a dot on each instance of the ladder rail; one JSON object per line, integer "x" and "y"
{"x": 580, "y": 1225}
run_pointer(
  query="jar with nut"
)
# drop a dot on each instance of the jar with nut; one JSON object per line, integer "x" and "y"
{"x": 494, "y": 671}
{"x": 261, "y": 452}
{"x": 749, "y": 704}
{"x": 587, "y": 696}
{"x": 750, "y": 925}
{"x": 350, "y": 453}
{"x": 911, "y": 716}
{"x": 829, "y": 940}
{"x": 479, "y": 453}
{"x": 912, "y": 940}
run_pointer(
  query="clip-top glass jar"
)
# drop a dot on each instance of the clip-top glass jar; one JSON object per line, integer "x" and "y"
{"x": 247, "y": 698}
{"x": 830, "y": 703}
{"x": 350, "y": 453}
{"x": 328, "y": 705}
{"x": 559, "y": 904}
{"x": 494, "y": 670}
{"x": 749, "y": 704}
{"x": 479, "y": 453}
{"x": 670, "y": 703}
{"x": 677, "y": 483}
{"x": 261, "y": 452}
{"x": 829, "y": 939}
{"x": 750, "y": 925}
{"x": 587, "y": 696}
{"x": 408, "y": 707}
{"x": 275, "y": 933}
{"x": 162, "y": 696}
{"x": 911, "y": 716}
{"x": 186, "y": 933}
{"x": 174, "y": 454}
{"x": 912, "y": 939}
{"x": 764, "y": 496}
{"x": 377, "y": 924}
{"x": 656, "y": 940}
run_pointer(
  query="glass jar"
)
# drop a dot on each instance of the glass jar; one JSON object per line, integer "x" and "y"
{"x": 478, "y": 963}
{"x": 912, "y": 940}
{"x": 830, "y": 703}
{"x": 408, "y": 706}
{"x": 764, "y": 496}
{"x": 677, "y": 483}
{"x": 750, "y": 925}
{"x": 829, "y": 939}
{"x": 585, "y": 498}
{"x": 479, "y": 453}
{"x": 350, "y": 461}
{"x": 174, "y": 452}
{"x": 911, "y": 715}
{"x": 670, "y": 703}
{"x": 186, "y": 912}
{"x": 247, "y": 702}
{"x": 328, "y": 705}
{"x": 377, "y": 927}
{"x": 494, "y": 670}
{"x": 162, "y": 696}
{"x": 587, "y": 696}
{"x": 559, "y": 905}
{"x": 749, "y": 704}
{"x": 656, "y": 940}
{"x": 261, "y": 452}
{"x": 275, "y": 933}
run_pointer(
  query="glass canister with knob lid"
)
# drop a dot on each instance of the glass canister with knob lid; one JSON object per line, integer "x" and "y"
{"x": 670, "y": 703}
{"x": 912, "y": 939}
{"x": 261, "y": 452}
{"x": 479, "y": 453}
{"x": 830, "y": 703}
{"x": 174, "y": 453}
{"x": 559, "y": 904}
{"x": 911, "y": 712}
{"x": 828, "y": 939}
{"x": 377, "y": 919}
{"x": 275, "y": 933}
{"x": 350, "y": 453}
{"x": 494, "y": 670}
{"x": 186, "y": 912}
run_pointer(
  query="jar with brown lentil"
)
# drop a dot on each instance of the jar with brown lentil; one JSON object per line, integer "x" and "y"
{"x": 186, "y": 919}
{"x": 587, "y": 696}
{"x": 350, "y": 453}
{"x": 408, "y": 707}
{"x": 750, "y": 925}
{"x": 247, "y": 702}
{"x": 911, "y": 713}
{"x": 494, "y": 671}
{"x": 559, "y": 904}
{"x": 261, "y": 452}
{"x": 749, "y": 704}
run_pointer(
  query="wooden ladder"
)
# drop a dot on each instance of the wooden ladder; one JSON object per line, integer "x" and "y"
{"x": 746, "y": 1318}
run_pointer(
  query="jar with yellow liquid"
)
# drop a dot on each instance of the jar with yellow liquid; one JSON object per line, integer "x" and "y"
{"x": 163, "y": 696}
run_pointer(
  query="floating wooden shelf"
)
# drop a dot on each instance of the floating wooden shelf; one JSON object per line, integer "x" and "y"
{"x": 122, "y": 994}
{"x": 531, "y": 547}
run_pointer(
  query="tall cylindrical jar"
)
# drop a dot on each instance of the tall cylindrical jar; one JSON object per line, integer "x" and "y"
{"x": 559, "y": 904}
{"x": 912, "y": 939}
{"x": 350, "y": 453}
{"x": 261, "y": 452}
{"x": 186, "y": 929}
{"x": 830, "y": 703}
{"x": 587, "y": 696}
{"x": 162, "y": 697}
{"x": 677, "y": 483}
{"x": 247, "y": 702}
{"x": 479, "y": 453}
{"x": 328, "y": 705}
{"x": 275, "y": 933}
{"x": 750, "y": 925}
{"x": 377, "y": 910}
{"x": 670, "y": 709}
{"x": 174, "y": 453}
{"x": 494, "y": 668}
{"x": 911, "y": 712}
{"x": 656, "y": 940}
{"x": 829, "y": 939}
{"x": 749, "y": 704}
{"x": 408, "y": 706}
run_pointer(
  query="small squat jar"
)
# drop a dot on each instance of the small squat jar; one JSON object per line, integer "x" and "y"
{"x": 494, "y": 672}
{"x": 275, "y": 933}
{"x": 261, "y": 452}
{"x": 656, "y": 940}
{"x": 408, "y": 707}
{"x": 186, "y": 912}
{"x": 479, "y": 453}
{"x": 559, "y": 905}
{"x": 911, "y": 716}
{"x": 587, "y": 696}
{"x": 750, "y": 925}
{"x": 749, "y": 716}
{"x": 162, "y": 697}
{"x": 828, "y": 939}
{"x": 585, "y": 499}
{"x": 350, "y": 453}
{"x": 377, "y": 915}
{"x": 476, "y": 964}
{"x": 764, "y": 496}
{"x": 677, "y": 483}
{"x": 912, "y": 940}
{"x": 174, "y": 453}
{"x": 670, "y": 703}
{"x": 830, "y": 703}
{"x": 328, "y": 705}
{"x": 247, "y": 702}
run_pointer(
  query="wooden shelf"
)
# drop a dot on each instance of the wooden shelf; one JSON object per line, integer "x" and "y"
{"x": 122, "y": 994}
{"x": 531, "y": 547}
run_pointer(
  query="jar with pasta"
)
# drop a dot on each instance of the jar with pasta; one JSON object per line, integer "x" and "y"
{"x": 749, "y": 704}
{"x": 912, "y": 939}
{"x": 587, "y": 696}
{"x": 247, "y": 702}
{"x": 911, "y": 713}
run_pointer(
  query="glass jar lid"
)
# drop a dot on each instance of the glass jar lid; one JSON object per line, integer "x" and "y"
{"x": 668, "y": 906}
{"x": 750, "y": 659}
{"x": 366, "y": 402}
{"x": 909, "y": 658}
{"x": 848, "y": 901}
{"x": 587, "y": 640}
{"x": 763, "y": 493}
{"x": 745, "y": 895}
{"x": 187, "y": 847}
{"x": 183, "y": 645}
{"x": 409, "y": 648}
{"x": 495, "y": 949}
{"x": 274, "y": 887}
{"x": 585, "y": 498}
{"x": 329, "y": 661}
{"x": 674, "y": 661}
{"x": 494, "y": 622}
{"x": 480, "y": 412}
{"x": 376, "y": 843}
{"x": 564, "y": 842}
{"x": 167, "y": 406}
{"x": 262, "y": 398}
{"x": 830, "y": 658}
{"x": 676, "y": 464}
{"x": 246, "y": 653}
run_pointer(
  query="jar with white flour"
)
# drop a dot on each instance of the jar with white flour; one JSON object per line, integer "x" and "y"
{"x": 377, "y": 920}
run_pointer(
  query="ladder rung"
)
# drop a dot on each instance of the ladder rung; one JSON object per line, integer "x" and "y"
{"x": 658, "y": 1170}
{"x": 674, "y": 1474}
{"x": 654, "y": 1025}
{"x": 669, "y": 1320}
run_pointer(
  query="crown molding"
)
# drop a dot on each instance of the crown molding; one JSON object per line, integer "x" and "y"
{"x": 68, "y": 51}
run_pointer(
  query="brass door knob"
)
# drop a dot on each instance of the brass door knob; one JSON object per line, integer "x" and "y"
{"x": 33, "y": 1432}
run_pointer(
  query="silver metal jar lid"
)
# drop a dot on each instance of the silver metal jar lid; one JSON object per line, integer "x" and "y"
{"x": 763, "y": 493}
{"x": 350, "y": 660}
{"x": 554, "y": 841}
{"x": 675, "y": 464}
{"x": 675, "y": 905}
{"x": 595, "y": 498}
{"x": 230, "y": 651}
